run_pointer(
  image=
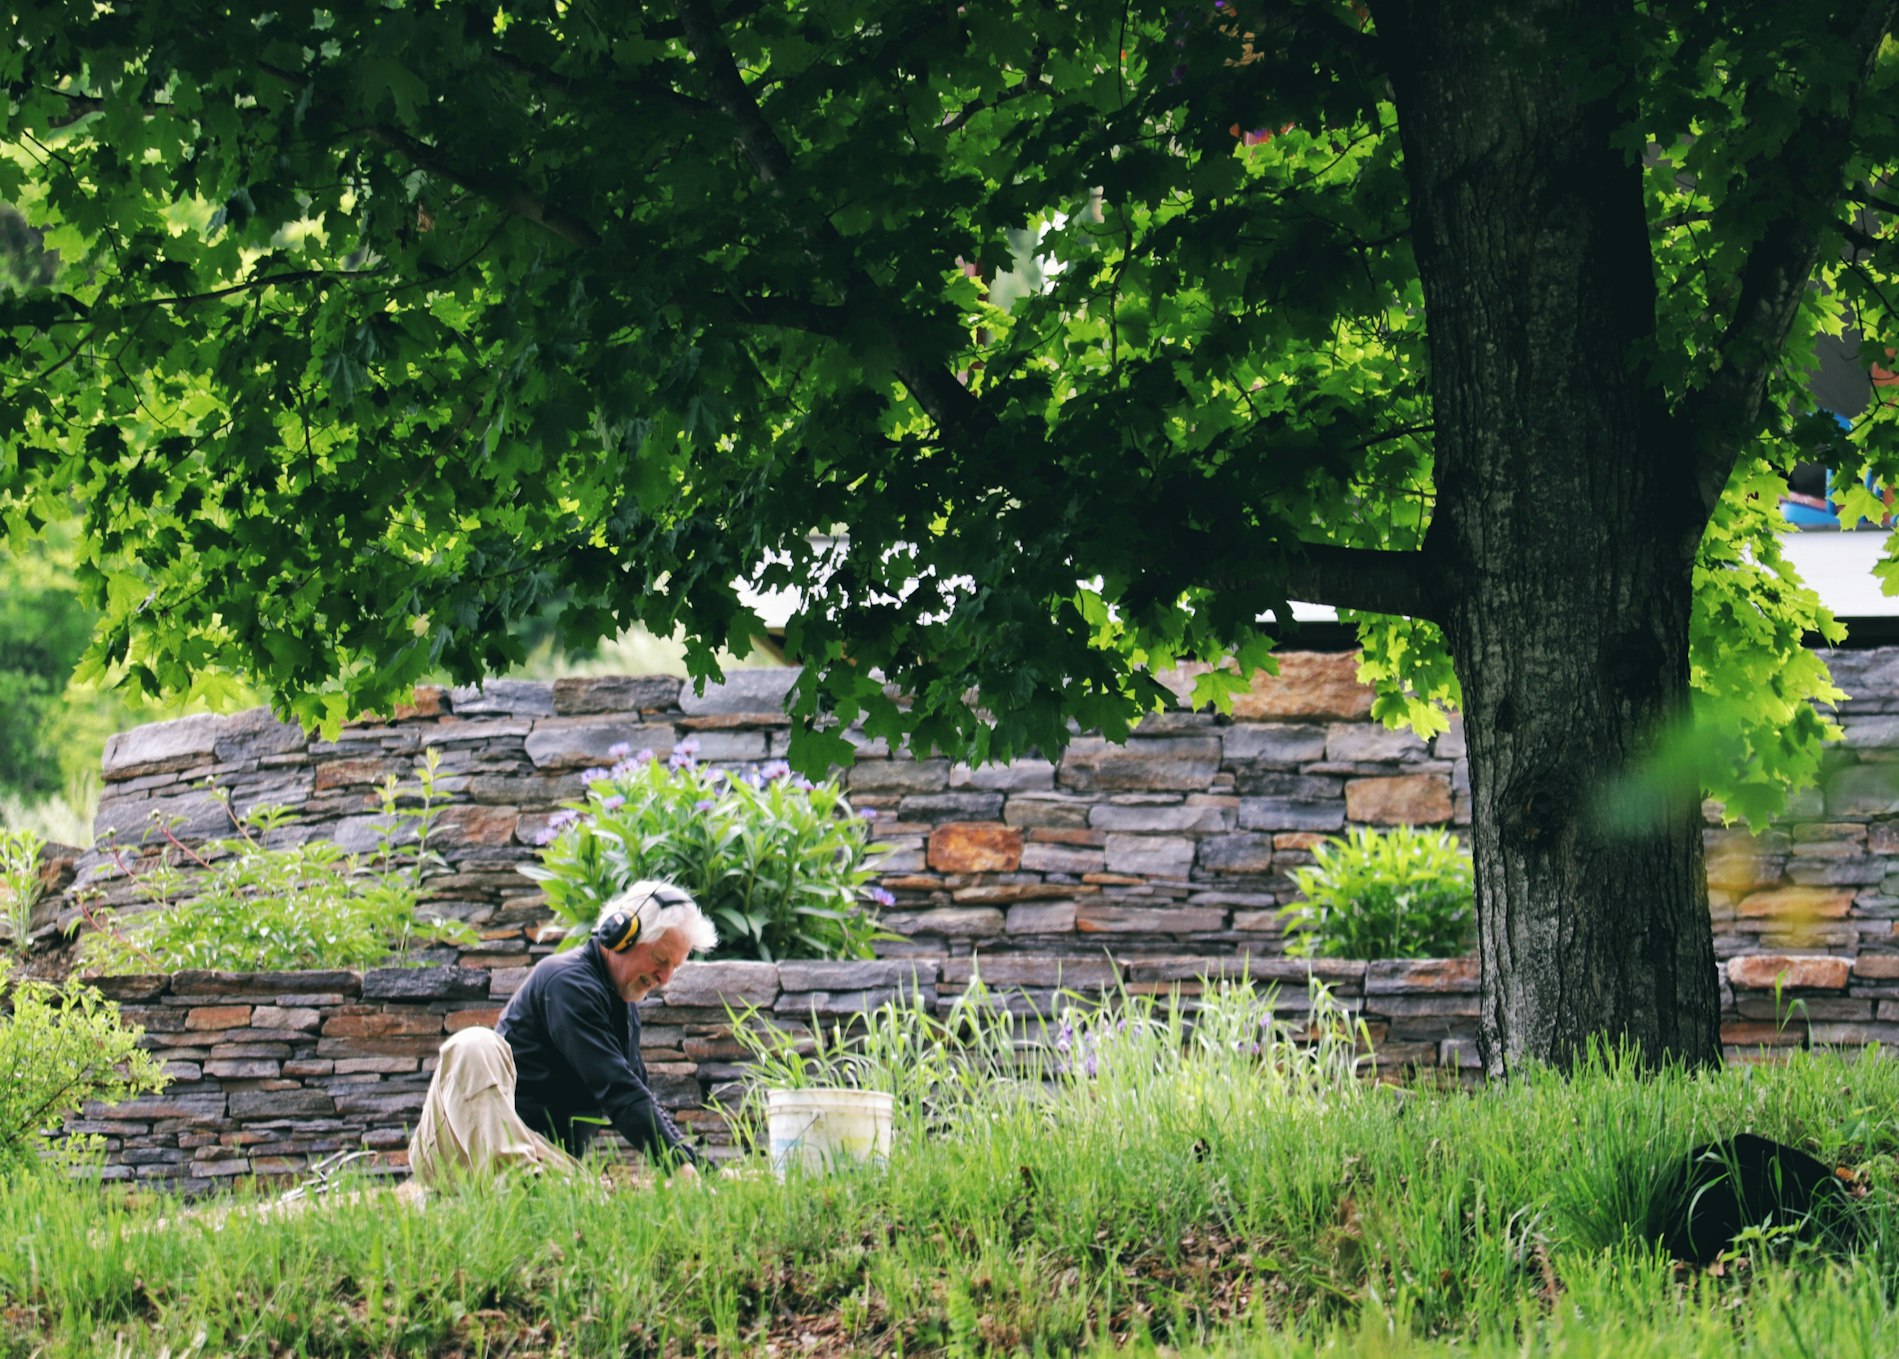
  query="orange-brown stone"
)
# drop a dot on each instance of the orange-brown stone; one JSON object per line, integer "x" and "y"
{"x": 975, "y": 847}
{"x": 470, "y": 823}
{"x": 349, "y": 773}
{"x": 219, "y": 1017}
{"x": 1407, "y": 799}
{"x": 1764, "y": 971}
{"x": 430, "y": 700}
{"x": 1309, "y": 684}
{"x": 468, "y": 1019}
{"x": 389, "y": 1024}
{"x": 1798, "y": 903}
{"x": 1300, "y": 839}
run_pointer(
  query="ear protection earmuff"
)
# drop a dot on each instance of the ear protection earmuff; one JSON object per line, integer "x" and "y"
{"x": 621, "y": 930}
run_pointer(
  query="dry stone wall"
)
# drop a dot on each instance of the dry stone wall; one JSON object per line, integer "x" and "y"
{"x": 272, "y": 1072}
{"x": 1145, "y": 867}
{"x": 1180, "y": 841}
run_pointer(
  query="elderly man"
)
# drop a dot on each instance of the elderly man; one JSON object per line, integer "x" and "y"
{"x": 566, "y": 1052}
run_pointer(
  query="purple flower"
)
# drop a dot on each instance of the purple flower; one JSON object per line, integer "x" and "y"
{"x": 556, "y": 823}
{"x": 704, "y": 804}
{"x": 620, "y": 750}
{"x": 685, "y": 755}
{"x": 774, "y": 770}
{"x": 593, "y": 775}
{"x": 612, "y": 803}
{"x": 867, "y": 813}
{"x": 801, "y": 783}
{"x": 881, "y": 896}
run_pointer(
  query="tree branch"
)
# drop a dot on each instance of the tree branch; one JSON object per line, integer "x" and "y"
{"x": 510, "y": 196}
{"x": 1715, "y": 418}
{"x": 957, "y": 413}
{"x": 1372, "y": 580}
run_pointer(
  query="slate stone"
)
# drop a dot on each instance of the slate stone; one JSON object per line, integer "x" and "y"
{"x": 192, "y": 813}
{"x": 1241, "y": 853}
{"x": 515, "y": 698}
{"x": 160, "y": 747}
{"x": 1370, "y": 742}
{"x": 1181, "y": 763}
{"x": 853, "y": 976}
{"x": 1017, "y": 776}
{"x": 897, "y": 776}
{"x": 248, "y": 1104}
{"x": 952, "y": 922}
{"x": 719, "y": 984}
{"x": 580, "y": 695}
{"x": 255, "y": 733}
{"x": 1150, "y": 856}
{"x": 1400, "y": 976}
{"x": 425, "y": 983}
{"x": 744, "y": 691}
{"x": 579, "y": 742}
{"x": 1290, "y": 813}
{"x": 1863, "y": 790}
{"x": 234, "y": 986}
{"x": 1178, "y": 817}
{"x": 1285, "y": 744}
{"x": 951, "y": 807}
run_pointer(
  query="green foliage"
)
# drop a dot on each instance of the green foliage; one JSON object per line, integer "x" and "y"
{"x": 779, "y": 863}
{"x": 238, "y": 904}
{"x": 20, "y": 885}
{"x": 1191, "y": 1199}
{"x": 1406, "y": 892}
{"x": 353, "y": 367}
{"x": 62, "y": 1046}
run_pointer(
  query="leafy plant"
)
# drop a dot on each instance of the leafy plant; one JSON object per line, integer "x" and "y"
{"x": 256, "y": 907}
{"x": 1406, "y": 892}
{"x": 778, "y": 862}
{"x": 62, "y": 1045}
{"x": 20, "y": 881}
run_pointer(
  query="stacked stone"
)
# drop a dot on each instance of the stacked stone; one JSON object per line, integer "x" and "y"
{"x": 1179, "y": 840}
{"x": 271, "y": 1072}
{"x": 1780, "y": 1001}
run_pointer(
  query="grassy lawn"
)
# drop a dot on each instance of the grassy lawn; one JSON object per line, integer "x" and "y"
{"x": 1211, "y": 1201}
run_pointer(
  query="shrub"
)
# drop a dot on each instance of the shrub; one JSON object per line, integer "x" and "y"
{"x": 1402, "y": 893}
{"x": 20, "y": 884}
{"x": 778, "y": 862}
{"x": 61, "y": 1046}
{"x": 250, "y": 907}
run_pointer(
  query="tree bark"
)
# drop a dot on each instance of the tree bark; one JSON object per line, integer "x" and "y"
{"x": 1565, "y": 529}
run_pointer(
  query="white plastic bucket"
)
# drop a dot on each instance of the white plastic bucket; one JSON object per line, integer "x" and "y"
{"x": 816, "y": 1130}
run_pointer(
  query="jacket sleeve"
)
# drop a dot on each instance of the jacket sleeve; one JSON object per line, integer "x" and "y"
{"x": 580, "y": 1024}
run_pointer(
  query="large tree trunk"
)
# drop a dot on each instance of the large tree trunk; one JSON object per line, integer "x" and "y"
{"x": 1565, "y": 529}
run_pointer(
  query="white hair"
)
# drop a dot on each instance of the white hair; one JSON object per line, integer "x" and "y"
{"x": 658, "y": 920}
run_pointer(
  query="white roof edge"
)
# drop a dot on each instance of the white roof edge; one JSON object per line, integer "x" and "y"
{"x": 1838, "y": 565}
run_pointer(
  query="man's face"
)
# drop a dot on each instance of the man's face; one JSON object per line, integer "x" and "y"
{"x": 644, "y": 967}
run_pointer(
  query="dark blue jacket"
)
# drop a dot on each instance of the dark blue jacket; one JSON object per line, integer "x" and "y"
{"x": 576, "y": 1051}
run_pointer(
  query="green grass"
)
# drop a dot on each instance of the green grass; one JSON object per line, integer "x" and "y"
{"x": 1216, "y": 1203}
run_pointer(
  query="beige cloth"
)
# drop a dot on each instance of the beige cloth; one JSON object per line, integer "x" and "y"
{"x": 468, "y": 1122}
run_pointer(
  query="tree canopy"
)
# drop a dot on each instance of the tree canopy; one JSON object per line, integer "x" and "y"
{"x": 1039, "y": 344}
{"x": 379, "y": 325}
